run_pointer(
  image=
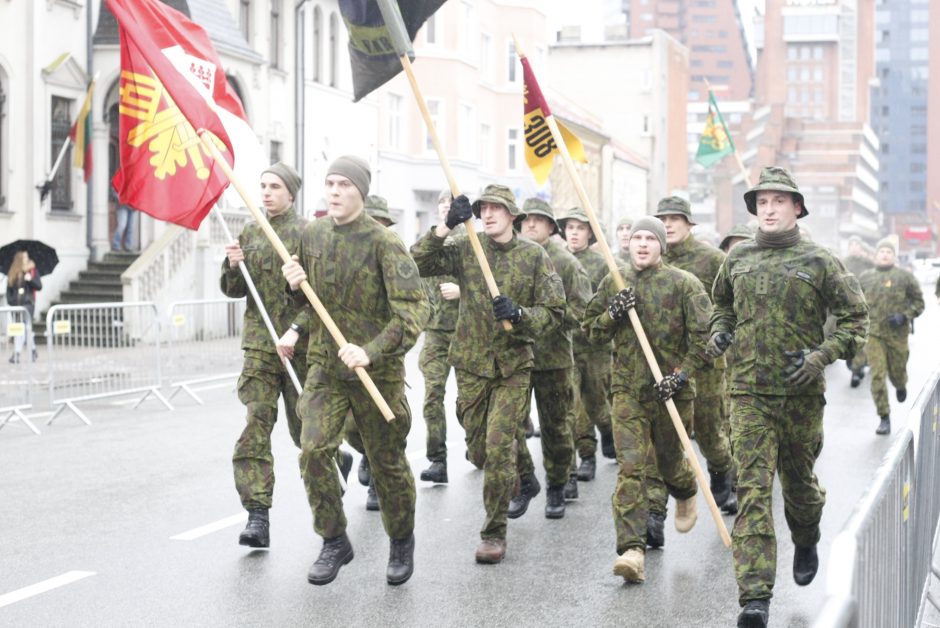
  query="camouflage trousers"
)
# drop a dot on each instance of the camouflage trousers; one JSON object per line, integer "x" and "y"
{"x": 592, "y": 407}
{"x": 860, "y": 359}
{"x": 323, "y": 408}
{"x": 887, "y": 357}
{"x": 435, "y": 367}
{"x": 639, "y": 427}
{"x": 491, "y": 412}
{"x": 554, "y": 395}
{"x": 774, "y": 434}
{"x": 263, "y": 380}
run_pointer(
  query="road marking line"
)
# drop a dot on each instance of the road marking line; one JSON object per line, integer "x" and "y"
{"x": 221, "y": 524}
{"x": 41, "y": 587}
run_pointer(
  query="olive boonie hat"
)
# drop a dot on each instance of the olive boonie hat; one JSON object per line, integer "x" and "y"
{"x": 626, "y": 221}
{"x": 578, "y": 214}
{"x": 377, "y": 207}
{"x": 737, "y": 231}
{"x": 675, "y": 206}
{"x": 774, "y": 178}
{"x": 537, "y": 207}
{"x": 500, "y": 194}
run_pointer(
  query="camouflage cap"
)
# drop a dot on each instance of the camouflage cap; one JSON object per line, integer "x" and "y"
{"x": 537, "y": 207}
{"x": 774, "y": 178}
{"x": 377, "y": 207}
{"x": 737, "y": 231}
{"x": 576, "y": 213}
{"x": 675, "y": 206}
{"x": 499, "y": 194}
{"x": 626, "y": 221}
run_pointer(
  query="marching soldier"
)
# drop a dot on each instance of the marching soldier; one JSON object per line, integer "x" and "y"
{"x": 552, "y": 377}
{"x": 377, "y": 208}
{"x": 771, "y": 298}
{"x": 857, "y": 262}
{"x": 674, "y": 310}
{"x": 494, "y": 366}
{"x": 737, "y": 235}
{"x": 264, "y": 378}
{"x": 894, "y": 301}
{"x": 592, "y": 362}
{"x": 623, "y": 238}
{"x": 362, "y": 273}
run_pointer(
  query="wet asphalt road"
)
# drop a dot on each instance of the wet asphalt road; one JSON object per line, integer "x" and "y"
{"x": 107, "y": 499}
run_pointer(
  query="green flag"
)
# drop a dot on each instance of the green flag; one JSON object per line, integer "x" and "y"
{"x": 715, "y": 142}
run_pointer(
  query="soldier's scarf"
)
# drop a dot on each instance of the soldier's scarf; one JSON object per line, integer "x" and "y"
{"x": 780, "y": 240}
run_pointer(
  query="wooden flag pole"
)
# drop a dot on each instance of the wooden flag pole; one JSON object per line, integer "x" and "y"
{"x": 305, "y": 285}
{"x": 635, "y": 322}
{"x": 452, "y": 182}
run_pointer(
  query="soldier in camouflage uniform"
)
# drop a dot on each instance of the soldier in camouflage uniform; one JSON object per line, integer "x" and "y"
{"x": 362, "y": 273}
{"x": 264, "y": 378}
{"x": 674, "y": 310}
{"x": 623, "y": 239}
{"x": 377, "y": 208}
{"x": 771, "y": 298}
{"x": 857, "y": 262}
{"x": 711, "y": 417}
{"x": 894, "y": 301}
{"x": 552, "y": 377}
{"x": 493, "y": 365}
{"x": 592, "y": 362}
{"x": 444, "y": 295}
{"x": 736, "y": 235}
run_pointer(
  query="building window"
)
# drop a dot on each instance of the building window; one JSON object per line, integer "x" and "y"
{"x": 317, "y": 47}
{"x": 276, "y": 151}
{"x": 486, "y": 147}
{"x": 919, "y": 34}
{"x": 817, "y": 74}
{"x": 512, "y": 146}
{"x": 486, "y": 59}
{"x": 792, "y": 52}
{"x": 466, "y": 126}
{"x": 817, "y": 53}
{"x": 275, "y": 52}
{"x": 792, "y": 73}
{"x": 394, "y": 121}
{"x": 430, "y": 30}
{"x": 512, "y": 62}
{"x": 60, "y": 127}
{"x": 334, "y": 50}
{"x": 244, "y": 19}
{"x": 467, "y": 30}
{"x": 436, "y": 109}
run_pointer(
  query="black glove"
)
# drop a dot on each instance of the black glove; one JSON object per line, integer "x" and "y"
{"x": 805, "y": 366}
{"x": 459, "y": 212}
{"x": 670, "y": 385}
{"x": 718, "y": 343}
{"x": 896, "y": 321}
{"x": 621, "y": 303}
{"x": 505, "y": 310}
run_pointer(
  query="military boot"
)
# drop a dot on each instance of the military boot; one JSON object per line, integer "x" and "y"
{"x": 256, "y": 532}
{"x": 686, "y": 514}
{"x": 805, "y": 564}
{"x": 587, "y": 469}
{"x": 857, "y": 377}
{"x": 372, "y": 498}
{"x": 529, "y": 487}
{"x": 655, "y": 534}
{"x": 755, "y": 614}
{"x": 491, "y": 551}
{"x": 901, "y": 394}
{"x": 571, "y": 487}
{"x": 554, "y": 502}
{"x": 731, "y": 506}
{"x": 630, "y": 566}
{"x": 436, "y": 473}
{"x": 335, "y": 553}
{"x": 607, "y": 444}
{"x": 885, "y": 426}
{"x": 364, "y": 472}
{"x": 401, "y": 560}
{"x": 720, "y": 484}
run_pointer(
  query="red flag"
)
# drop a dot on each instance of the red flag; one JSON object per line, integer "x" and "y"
{"x": 172, "y": 83}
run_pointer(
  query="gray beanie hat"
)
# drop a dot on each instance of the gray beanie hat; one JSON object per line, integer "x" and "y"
{"x": 444, "y": 195}
{"x": 288, "y": 175}
{"x": 355, "y": 169}
{"x": 888, "y": 243}
{"x": 653, "y": 225}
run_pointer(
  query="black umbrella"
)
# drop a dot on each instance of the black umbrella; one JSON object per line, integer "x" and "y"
{"x": 43, "y": 255}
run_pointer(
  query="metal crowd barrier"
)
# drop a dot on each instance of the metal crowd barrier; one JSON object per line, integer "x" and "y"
{"x": 927, "y": 495}
{"x": 204, "y": 342}
{"x": 16, "y": 372}
{"x": 100, "y": 350}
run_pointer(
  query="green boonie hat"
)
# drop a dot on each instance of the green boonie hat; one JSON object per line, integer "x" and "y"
{"x": 578, "y": 214}
{"x": 737, "y": 231}
{"x": 377, "y": 207}
{"x": 675, "y": 206}
{"x": 537, "y": 207}
{"x": 495, "y": 193}
{"x": 774, "y": 178}
{"x": 626, "y": 221}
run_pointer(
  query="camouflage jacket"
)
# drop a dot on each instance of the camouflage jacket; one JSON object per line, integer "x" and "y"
{"x": 857, "y": 264}
{"x": 553, "y": 351}
{"x": 523, "y": 272}
{"x": 891, "y": 291}
{"x": 264, "y": 266}
{"x": 443, "y": 312}
{"x": 775, "y": 300}
{"x": 674, "y": 310}
{"x": 367, "y": 282}
{"x": 596, "y": 269}
{"x": 701, "y": 260}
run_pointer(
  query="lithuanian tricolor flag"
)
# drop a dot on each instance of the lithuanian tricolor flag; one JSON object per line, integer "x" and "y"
{"x": 81, "y": 134}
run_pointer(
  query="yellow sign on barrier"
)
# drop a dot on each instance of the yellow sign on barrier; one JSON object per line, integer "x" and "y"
{"x": 179, "y": 320}
{"x": 907, "y": 500}
{"x": 16, "y": 330}
{"x": 62, "y": 327}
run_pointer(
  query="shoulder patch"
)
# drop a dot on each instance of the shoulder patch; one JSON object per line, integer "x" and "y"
{"x": 406, "y": 269}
